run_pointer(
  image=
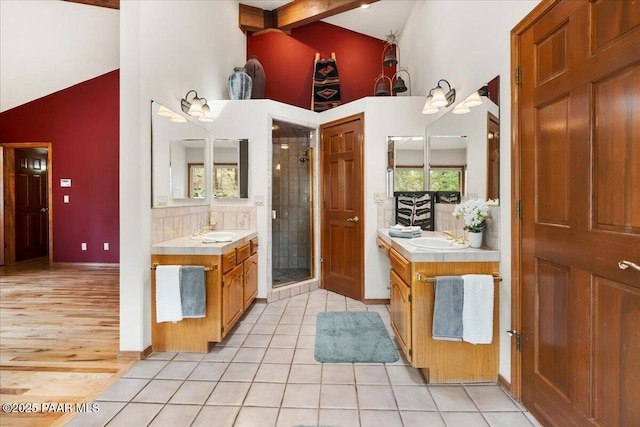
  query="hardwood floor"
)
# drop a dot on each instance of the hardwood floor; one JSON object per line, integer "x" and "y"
{"x": 59, "y": 328}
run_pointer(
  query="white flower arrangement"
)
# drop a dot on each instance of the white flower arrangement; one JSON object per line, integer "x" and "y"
{"x": 473, "y": 212}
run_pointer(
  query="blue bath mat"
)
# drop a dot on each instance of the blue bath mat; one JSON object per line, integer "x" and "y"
{"x": 353, "y": 337}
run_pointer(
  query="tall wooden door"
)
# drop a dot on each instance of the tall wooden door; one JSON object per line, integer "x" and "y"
{"x": 579, "y": 136}
{"x": 31, "y": 204}
{"x": 342, "y": 238}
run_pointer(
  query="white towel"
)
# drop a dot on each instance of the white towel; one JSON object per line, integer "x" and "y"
{"x": 477, "y": 309}
{"x": 168, "y": 301}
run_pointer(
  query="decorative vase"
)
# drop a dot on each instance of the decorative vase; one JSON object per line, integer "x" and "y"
{"x": 239, "y": 84}
{"x": 475, "y": 239}
{"x": 254, "y": 68}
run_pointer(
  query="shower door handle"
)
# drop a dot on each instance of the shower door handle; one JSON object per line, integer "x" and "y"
{"x": 355, "y": 219}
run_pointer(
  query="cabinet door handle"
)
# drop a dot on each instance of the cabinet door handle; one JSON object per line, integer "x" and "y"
{"x": 624, "y": 264}
{"x": 232, "y": 260}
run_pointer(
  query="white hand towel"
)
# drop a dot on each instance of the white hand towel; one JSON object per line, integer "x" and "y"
{"x": 168, "y": 301}
{"x": 477, "y": 309}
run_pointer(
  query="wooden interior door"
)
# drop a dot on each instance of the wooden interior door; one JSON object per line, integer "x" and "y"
{"x": 579, "y": 145}
{"x": 342, "y": 238}
{"x": 31, "y": 204}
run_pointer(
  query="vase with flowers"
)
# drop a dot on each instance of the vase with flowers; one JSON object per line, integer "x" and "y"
{"x": 474, "y": 213}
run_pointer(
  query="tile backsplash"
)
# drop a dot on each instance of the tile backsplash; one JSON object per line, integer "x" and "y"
{"x": 173, "y": 222}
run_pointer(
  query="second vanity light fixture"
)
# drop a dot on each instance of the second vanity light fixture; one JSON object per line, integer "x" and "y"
{"x": 472, "y": 100}
{"x": 438, "y": 98}
{"x": 197, "y": 107}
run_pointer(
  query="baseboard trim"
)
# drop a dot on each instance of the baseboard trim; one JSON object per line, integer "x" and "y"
{"x": 86, "y": 264}
{"x": 506, "y": 385}
{"x": 135, "y": 355}
{"x": 260, "y": 300}
{"x": 376, "y": 301}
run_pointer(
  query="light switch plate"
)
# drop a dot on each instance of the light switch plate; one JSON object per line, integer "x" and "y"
{"x": 378, "y": 197}
{"x": 258, "y": 200}
{"x": 65, "y": 198}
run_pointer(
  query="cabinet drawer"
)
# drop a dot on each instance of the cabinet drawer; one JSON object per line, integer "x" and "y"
{"x": 254, "y": 245}
{"x": 229, "y": 260}
{"x": 243, "y": 252}
{"x": 400, "y": 265}
{"x": 383, "y": 246}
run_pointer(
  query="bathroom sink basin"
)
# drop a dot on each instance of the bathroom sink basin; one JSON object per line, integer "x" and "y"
{"x": 216, "y": 236}
{"x": 436, "y": 243}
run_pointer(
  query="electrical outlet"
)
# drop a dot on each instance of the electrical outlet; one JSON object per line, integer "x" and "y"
{"x": 105, "y": 245}
{"x": 378, "y": 197}
{"x": 83, "y": 246}
{"x": 258, "y": 200}
{"x": 65, "y": 198}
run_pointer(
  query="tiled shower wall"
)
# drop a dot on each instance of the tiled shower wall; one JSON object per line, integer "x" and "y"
{"x": 291, "y": 195}
{"x": 173, "y": 222}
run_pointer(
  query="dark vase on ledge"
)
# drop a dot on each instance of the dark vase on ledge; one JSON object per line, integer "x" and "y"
{"x": 255, "y": 70}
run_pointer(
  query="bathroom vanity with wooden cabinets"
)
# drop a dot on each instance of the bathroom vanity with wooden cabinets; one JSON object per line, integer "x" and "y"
{"x": 412, "y": 301}
{"x": 231, "y": 281}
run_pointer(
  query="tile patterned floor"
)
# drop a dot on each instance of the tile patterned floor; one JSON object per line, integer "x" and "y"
{"x": 264, "y": 374}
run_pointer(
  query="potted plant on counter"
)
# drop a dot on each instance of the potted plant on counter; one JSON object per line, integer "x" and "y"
{"x": 474, "y": 213}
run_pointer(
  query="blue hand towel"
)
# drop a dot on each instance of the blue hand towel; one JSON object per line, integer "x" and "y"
{"x": 193, "y": 291}
{"x": 447, "y": 308}
{"x": 404, "y": 234}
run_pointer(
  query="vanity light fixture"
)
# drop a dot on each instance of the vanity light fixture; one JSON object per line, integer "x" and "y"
{"x": 461, "y": 109}
{"x": 197, "y": 107}
{"x": 438, "y": 98}
{"x": 474, "y": 99}
{"x": 165, "y": 112}
{"x": 177, "y": 118}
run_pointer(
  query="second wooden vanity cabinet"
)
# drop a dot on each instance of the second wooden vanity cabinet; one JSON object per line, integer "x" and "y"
{"x": 231, "y": 286}
{"x": 412, "y": 301}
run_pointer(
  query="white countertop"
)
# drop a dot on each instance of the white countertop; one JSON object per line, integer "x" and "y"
{"x": 415, "y": 254}
{"x": 187, "y": 245}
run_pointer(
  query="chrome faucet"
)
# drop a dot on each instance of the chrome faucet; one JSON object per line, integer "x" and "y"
{"x": 451, "y": 236}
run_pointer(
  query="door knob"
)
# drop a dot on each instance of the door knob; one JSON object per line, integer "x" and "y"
{"x": 354, "y": 219}
{"x": 624, "y": 264}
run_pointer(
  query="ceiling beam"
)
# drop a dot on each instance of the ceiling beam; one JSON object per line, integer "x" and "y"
{"x": 111, "y": 4}
{"x": 301, "y": 12}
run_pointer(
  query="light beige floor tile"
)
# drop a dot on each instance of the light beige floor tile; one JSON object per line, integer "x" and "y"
{"x": 269, "y": 319}
{"x": 208, "y": 371}
{"x": 240, "y": 372}
{"x": 146, "y": 369}
{"x": 289, "y": 417}
{"x": 291, "y": 319}
{"x": 265, "y": 394}
{"x": 304, "y": 356}
{"x": 136, "y": 414}
{"x": 255, "y": 309}
{"x": 491, "y": 398}
{"x": 229, "y": 394}
{"x": 249, "y": 319}
{"x": 414, "y": 398}
{"x": 284, "y": 329}
{"x": 306, "y": 341}
{"x": 532, "y": 419}
{"x": 507, "y": 419}
{"x": 189, "y": 357}
{"x": 376, "y": 397}
{"x": 256, "y": 417}
{"x": 274, "y": 309}
{"x": 279, "y": 355}
{"x": 338, "y": 396}
{"x": 380, "y": 419}
{"x": 452, "y": 398}
{"x": 463, "y": 419}
{"x": 221, "y": 354}
{"x": 257, "y": 341}
{"x": 338, "y": 374}
{"x": 308, "y": 330}
{"x": 339, "y": 417}
{"x": 216, "y": 416}
{"x": 371, "y": 374}
{"x": 301, "y": 396}
{"x": 177, "y": 370}
{"x": 405, "y": 375}
{"x": 193, "y": 393}
{"x": 294, "y": 311}
{"x": 298, "y": 301}
{"x": 283, "y": 341}
{"x": 124, "y": 389}
{"x": 242, "y": 328}
{"x": 161, "y": 355}
{"x": 310, "y": 315}
{"x": 305, "y": 374}
{"x": 317, "y": 302}
{"x": 250, "y": 355}
{"x": 107, "y": 410}
{"x": 421, "y": 418}
{"x": 234, "y": 340}
{"x": 157, "y": 391}
{"x": 264, "y": 329}
{"x": 176, "y": 416}
{"x": 336, "y": 306}
{"x": 272, "y": 373}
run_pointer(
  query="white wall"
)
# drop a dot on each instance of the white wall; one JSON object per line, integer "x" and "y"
{"x": 468, "y": 43}
{"x": 160, "y": 60}
{"x": 66, "y": 42}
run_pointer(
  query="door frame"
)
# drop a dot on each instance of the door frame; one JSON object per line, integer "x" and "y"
{"x": 8, "y": 183}
{"x": 323, "y": 219}
{"x": 516, "y": 191}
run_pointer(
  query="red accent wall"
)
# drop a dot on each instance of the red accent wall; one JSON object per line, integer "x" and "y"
{"x": 83, "y": 124}
{"x": 288, "y": 61}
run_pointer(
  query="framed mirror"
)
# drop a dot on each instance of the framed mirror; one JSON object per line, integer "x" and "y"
{"x": 179, "y": 153}
{"x": 230, "y": 170}
{"x": 463, "y": 150}
{"x": 405, "y": 163}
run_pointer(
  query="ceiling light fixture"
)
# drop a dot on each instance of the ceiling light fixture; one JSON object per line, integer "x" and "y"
{"x": 197, "y": 107}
